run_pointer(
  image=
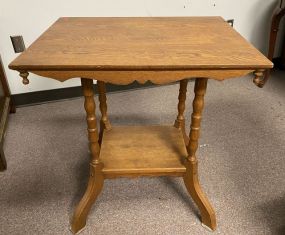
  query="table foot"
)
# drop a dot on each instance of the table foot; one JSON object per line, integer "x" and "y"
{"x": 206, "y": 227}
{"x": 193, "y": 186}
{"x": 95, "y": 185}
{"x": 81, "y": 230}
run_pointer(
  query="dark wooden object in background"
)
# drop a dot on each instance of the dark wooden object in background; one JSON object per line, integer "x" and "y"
{"x": 277, "y": 16}
{"x": 6, "y": 106}
{"x": 124, "y": 50}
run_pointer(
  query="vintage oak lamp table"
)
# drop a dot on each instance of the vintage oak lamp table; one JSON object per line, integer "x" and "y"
{"x": 156, "y": 49}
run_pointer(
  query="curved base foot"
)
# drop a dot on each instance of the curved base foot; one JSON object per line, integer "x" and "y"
{"x": 206, "y": 227}
{"x": 78, "y": 231}
{"x": 193, "y": 187}
{"x": 95, "y": 185}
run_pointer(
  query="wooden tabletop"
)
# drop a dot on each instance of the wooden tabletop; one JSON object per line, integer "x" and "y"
{"x": 139, "y": 43}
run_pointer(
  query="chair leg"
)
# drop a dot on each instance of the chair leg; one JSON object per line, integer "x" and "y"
{"x": 3, "y": 163}
{"x": 273, "y": 36}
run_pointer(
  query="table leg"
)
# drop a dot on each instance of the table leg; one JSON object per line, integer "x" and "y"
{"x": 180, "y": 120}
{"x": 96, "y": 178}
{"x": 191, "y": 176}
{"x": 104, "y": 122}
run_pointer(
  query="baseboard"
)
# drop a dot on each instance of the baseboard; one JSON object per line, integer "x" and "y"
{"x": 39, "y": 97}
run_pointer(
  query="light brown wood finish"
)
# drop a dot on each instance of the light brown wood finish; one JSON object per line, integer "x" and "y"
{"x": 124, "y": 50}
{"x": 104, "y": 122}
{"x": 140, "y": 43}
{"x": 132, "y": 151}
{"x": 77, "y": 46}
{"x": 180, "y": 120}
{"x": 191, "y": 177}
{"x": 96, "y": 178}
{"x": 259, "y": 79}
{"x": 156, "y": 77}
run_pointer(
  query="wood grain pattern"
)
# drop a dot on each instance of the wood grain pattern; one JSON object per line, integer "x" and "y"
{"x": 96, "y": 179}
{"x": 140, "y": 44}
{"x": 191, "y": 177}
{"x": 132, "y": 151}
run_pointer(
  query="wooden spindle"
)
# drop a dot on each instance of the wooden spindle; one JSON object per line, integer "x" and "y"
{"x": 196, "y": 117}
{"x": 104, "y": 122}
{"x": 180, "y": 120}
{"x": 90, "y": 107}
{"x": 259, "y": 79}
{"x": 24, "y": 75}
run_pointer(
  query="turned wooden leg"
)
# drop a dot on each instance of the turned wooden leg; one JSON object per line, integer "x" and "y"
{"x": 96, "y": 178}
{"x": 180, "y": 120}
{"x": 191, "y": 176}
{"x": 104, "y": 122}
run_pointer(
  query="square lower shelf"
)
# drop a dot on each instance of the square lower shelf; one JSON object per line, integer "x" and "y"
{"x": 130, "y": 151}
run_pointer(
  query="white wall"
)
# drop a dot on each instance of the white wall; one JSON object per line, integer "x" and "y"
{"x": 32, "y": 17}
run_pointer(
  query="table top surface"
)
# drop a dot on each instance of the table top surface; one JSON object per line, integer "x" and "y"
{"x": 140, "y": 43}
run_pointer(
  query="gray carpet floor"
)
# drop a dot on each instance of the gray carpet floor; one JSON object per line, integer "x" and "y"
{"x": 241, "y": 165}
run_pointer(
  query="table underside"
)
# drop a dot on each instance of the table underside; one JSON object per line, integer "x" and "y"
{"x": 130, "y": 151}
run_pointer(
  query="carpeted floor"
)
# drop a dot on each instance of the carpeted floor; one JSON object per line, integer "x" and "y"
{"x": 242, "y": 165}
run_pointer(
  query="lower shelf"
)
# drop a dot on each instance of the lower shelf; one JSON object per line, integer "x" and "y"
{"x": 143, "y": 150}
